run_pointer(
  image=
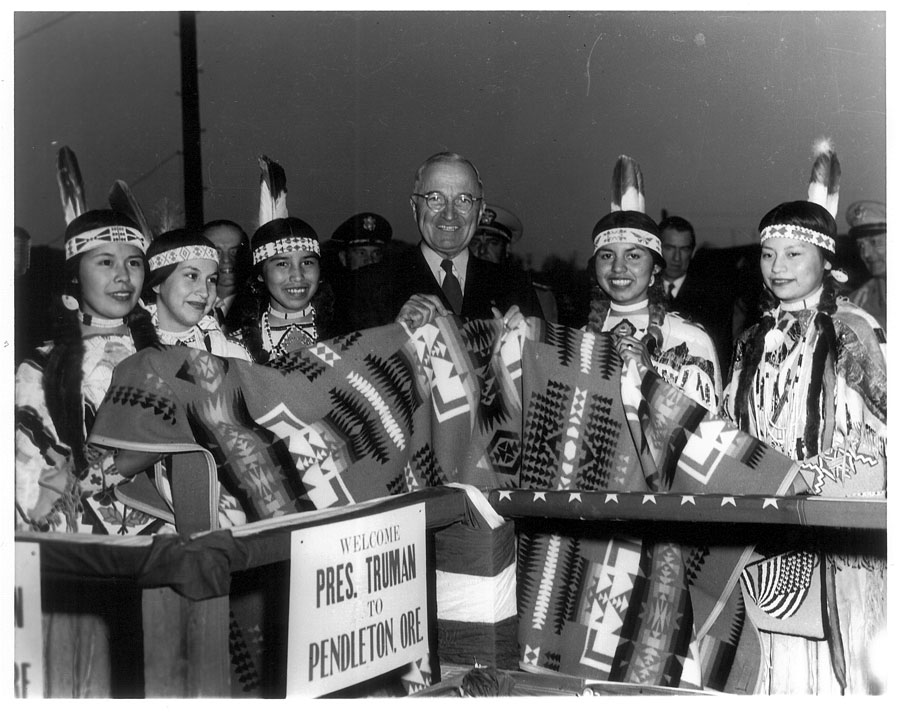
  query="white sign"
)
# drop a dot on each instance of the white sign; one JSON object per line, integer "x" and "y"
{"x": 358, "y": 600}
{"x": 29, "y": 683}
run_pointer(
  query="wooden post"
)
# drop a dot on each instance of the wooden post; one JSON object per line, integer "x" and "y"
{"x": 185, "y": 645}
{"x": 190, "y": 121}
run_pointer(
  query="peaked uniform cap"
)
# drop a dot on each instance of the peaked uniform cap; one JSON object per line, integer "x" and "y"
{"x": 499, "y": 221}
{"x": 363, "y": 229}
{"x": 867, "y": 218}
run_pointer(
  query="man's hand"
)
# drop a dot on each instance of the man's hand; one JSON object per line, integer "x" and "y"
{"x": 420, "y": 309}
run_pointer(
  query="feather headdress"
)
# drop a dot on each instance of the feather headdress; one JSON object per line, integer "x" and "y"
{"x": 823, "y": 191}
{"x": 278, "y": 233}
{"x": 121, "y": 199}
{"x": 627, "y": 222}
{"x": 105, "y": 229}
{"x": 627, "y": 186}
{"x": 825, "y": 179}
{"x": 272, "y": 191}
{"x": 71, "y": 186}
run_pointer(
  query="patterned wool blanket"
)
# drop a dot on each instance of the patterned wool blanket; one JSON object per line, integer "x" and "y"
{"x": 385, "y": 411}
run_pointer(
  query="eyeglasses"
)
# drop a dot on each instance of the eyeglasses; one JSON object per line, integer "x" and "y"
{"x": 435, "y": 200}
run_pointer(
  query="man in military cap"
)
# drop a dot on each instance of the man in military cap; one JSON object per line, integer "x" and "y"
{"x": 362, "y": 240}
{"x": 497, "y": 230}
{"x": 868, "y": 227}
{"x": 439, "y": 276}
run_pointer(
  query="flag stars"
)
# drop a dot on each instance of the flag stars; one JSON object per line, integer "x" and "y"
{"x": 728, "y": 500}
{"x": 540, "y": 496}
{"x": 506, "y": 496}
{"x": 649, "y": 498}
{"x": 688, "y": 499}
{"x": 770, "y": 502}
{"x": 575, "y": 497}
{"x": 614, "y": 497}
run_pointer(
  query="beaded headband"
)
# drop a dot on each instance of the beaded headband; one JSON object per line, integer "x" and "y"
{"x": 807, "y": 235}
{"x": 289, "y": 244}
{"x": 89, "y": 240}
{"x": 178, "y": 255}
{"x": 635, "y": 236}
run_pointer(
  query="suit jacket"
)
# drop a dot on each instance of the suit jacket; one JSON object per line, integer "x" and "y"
{"x": 375, "y": 293}
{"x": 708, "y": 303}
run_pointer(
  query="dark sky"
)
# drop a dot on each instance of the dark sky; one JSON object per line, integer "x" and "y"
{"x": 720, "y": 108}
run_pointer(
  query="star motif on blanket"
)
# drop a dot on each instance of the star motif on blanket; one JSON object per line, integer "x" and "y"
{"x": 649, "y": 498}
{"x": 506, "y": 496}
{"x": 728, "y": 500}
{"x": 770, "y": 503}
{"x": 614, "y": 497}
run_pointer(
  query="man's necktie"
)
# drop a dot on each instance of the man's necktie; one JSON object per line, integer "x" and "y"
{"x": 451, "y": 287}
{"x": 671, "y": 291}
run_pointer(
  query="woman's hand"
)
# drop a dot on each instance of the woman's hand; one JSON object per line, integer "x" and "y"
{"x": 633, "y": 348}
{"x": 420, "y": 309}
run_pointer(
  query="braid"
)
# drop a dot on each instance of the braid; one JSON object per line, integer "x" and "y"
{"x": 656, "y": 305}
{"x": 600, "y": 304}
{"x": 824, "y": 358}
{"x": 323, "y": 302}
{"x": 62, "y": 383}
{"x": 251, "y": 305}
{"x": 828, "y": 299}
{"x": 142, "y": 331}
{"x": 749, "y": 354}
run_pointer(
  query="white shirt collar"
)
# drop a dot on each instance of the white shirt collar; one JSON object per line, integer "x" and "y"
{"x": 433, "y": 258}
{"x": 678, "y": 282}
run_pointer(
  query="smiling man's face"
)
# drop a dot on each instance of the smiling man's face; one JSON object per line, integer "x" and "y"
{"x": 447, "y": 231}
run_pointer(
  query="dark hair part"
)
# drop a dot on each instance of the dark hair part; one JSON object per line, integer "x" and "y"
{"x": 820, "y": 390}
{"x": 178, "y": 238}
{"x": 677, "y": 223}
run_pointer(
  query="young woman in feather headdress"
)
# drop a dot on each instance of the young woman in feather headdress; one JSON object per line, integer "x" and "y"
{"x": 61, "y": 484}
{"x": 284, "y": 306}
{"x": 628, "y": 300}
{"x": 181, "y": 290}
{"x": 809, "y": 379}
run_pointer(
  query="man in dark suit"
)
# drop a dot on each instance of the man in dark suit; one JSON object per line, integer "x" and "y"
{"x": 439, "y": 276}
{"x": 699, "y": 294}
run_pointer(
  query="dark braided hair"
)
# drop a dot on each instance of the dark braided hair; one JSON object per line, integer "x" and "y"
{"x": 824, "y": 357}
{"x": 62, "y": 378}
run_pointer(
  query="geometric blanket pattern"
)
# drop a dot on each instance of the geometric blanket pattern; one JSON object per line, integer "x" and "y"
{"x": 385, "y": 411}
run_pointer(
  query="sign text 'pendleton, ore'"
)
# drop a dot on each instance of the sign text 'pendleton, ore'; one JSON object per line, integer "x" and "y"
{"x": 358, "y": 600}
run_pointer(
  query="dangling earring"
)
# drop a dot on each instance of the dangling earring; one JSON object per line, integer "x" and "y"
{"x": 69, "y": 302}
{"x": 652, "y": 279}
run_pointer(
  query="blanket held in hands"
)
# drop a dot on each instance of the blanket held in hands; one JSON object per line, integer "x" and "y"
{"x": 386, "y": 411}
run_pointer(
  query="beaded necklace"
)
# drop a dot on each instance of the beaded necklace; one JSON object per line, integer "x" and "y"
{"x": 299, "y": 332}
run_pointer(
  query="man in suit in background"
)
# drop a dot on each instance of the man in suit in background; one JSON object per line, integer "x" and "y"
{"x": 698, "y": 295}
{"x": 440, "y": 276}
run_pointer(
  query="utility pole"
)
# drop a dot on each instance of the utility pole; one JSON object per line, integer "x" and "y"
{"x": 190, "y": 121}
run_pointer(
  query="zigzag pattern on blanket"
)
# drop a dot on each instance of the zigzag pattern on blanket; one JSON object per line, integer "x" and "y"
{"x": 385, "y": 412}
